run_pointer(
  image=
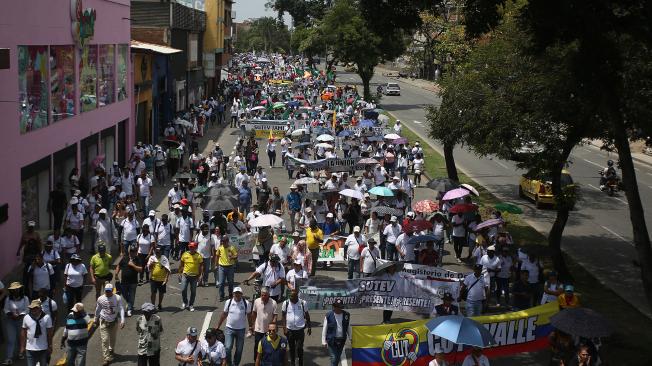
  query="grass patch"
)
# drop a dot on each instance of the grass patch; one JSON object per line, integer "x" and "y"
{"x": 629, "y": 345}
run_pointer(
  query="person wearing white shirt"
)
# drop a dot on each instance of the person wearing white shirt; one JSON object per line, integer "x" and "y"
{"x": 352, "y": 251}
{"x": 504, "y": 275}
{"x": 273, "y": 275}
{"x": 185, "y": 227}
{"x": 474, "y": 286}
{"x": 188, "y": 349}
{"x": 372, "y": 226}
{"x": 296, "y": 273}
{"x": 332, "y": 183}
{"x": 379, "y": 175}
{"x": 404, "y": 248}
{"x": 130, "y": 227}
{"x": 127, "y": 182}
{"x": 212, "y": 349}
{"x": 164, "y": 235}
{"x": 271, "y": 152}
{"x": 104, "y": 229}
{"x": 490, "y": 268}
{"x": 145, "y": 188}
{"x": 360, "y": 186}
{"x": 36, "y": 335}
{"x": 282, "y": 250}
{"x": 369, "y": 258}
{"x": 391, "y": 232}
{"x": 206, "y": 245}
{"x": 336, "y": 331}
{"x": 296, "y": 318}
{"x": 320, "y": 211}
{"x": 241, "y": 177}
{"x": 237, "y": 314}
{"x": 476, "y": 358}
{"x": 174, "y": 196}
{"x": 40, "y": 276}
{"x": 107, "y": 309}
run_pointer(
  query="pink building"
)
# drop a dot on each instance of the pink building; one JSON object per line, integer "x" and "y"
{"x": 65, "y": 102}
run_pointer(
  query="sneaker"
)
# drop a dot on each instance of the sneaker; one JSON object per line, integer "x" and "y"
{"x": 191, "y": 308}
{"x": 8, "y": 361}
{"x": 459, "y": 260}
{"x": 160, "y": 307}
{"x": 21, "y": 356}
{"x": 183, "y": 306}
{"x": 128, "y": 313}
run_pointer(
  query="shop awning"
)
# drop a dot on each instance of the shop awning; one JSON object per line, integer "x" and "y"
{"x": 154, "y": 47}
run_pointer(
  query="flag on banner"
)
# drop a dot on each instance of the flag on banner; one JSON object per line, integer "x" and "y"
{"x": 334, "y": 118}
{"x": 271, "y": 135}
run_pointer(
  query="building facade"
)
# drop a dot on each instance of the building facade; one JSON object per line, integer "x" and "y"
{"x": 65, "y": 101}
{"x": 217, "y": 42}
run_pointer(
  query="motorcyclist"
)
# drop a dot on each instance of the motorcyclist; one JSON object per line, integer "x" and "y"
{"x": 608, "y": 173}
{"x": 379, "y": 89}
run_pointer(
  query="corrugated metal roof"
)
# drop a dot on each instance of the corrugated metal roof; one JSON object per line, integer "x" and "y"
{"x": 154, "y": 47}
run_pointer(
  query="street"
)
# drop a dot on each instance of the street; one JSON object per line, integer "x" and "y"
{"x": 598, "y": 234}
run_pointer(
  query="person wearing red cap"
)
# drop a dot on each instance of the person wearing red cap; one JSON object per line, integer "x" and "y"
{"x": 190, "y": 269}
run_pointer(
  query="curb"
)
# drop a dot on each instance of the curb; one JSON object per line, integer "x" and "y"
{"x": 433, "y": 88}
{"x": 634, "y": 157}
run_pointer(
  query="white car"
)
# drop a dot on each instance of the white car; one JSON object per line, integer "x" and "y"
{"x": 392, "y": 89}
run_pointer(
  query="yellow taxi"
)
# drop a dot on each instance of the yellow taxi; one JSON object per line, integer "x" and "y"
{"x": 538, "y": 187}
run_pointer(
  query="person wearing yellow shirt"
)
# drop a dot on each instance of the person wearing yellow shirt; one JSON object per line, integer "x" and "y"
{"x": 226, "y": 256}
{"x": 100, "y": 269}
{"x": 272, "y": 349}
{"x": 568, "y": 300}
{"x": 229, "y": 216}
{"x": 159, "y": 268}
{"x": 314, "y": 238}
{"x": 190, "y": 269}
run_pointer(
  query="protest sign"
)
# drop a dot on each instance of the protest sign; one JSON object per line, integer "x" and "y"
{"x": 244, "y": 244}
{"x": 332, "y": 164}
{"x": 411, "y": 343}
{"x": 263, "y": 127}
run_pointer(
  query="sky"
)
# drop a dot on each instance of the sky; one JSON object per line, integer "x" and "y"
{"x": 245, "y": 9}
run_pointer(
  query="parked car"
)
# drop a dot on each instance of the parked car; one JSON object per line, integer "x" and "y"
{"x": 538, "y": 187}
{"x": 392, "y": 89}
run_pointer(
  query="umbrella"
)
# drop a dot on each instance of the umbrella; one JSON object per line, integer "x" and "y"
{"x": 442, "y": 184}
{"x": 417, "y": 225}
{"x": 426, "y": 206}
{"x": 370, "y": 114}
{"x": 508, "y": 207}
{"x": 470, "y": 188}
{"x": 183, "y": 122}
{"x": 306, "y": 180}
{"x": 171, "y": 143}
{"x": 385, "y": 210}
{"x": 220, "y": 204}
{"x": 221, "y": 190}
{"x": 383, "y": 267}
{"x": 461, "y": 330}
{"x": 488, "y": 223}
{"x": 351, "y": 193}
{"x": 463, "y": 207}
{"x": 313, "y": 196}
{"x": 582, "y": 322}
{"x": 278, "y": 105}
{"x": 303, "y": 144}
{"x": 265, "y": 220}
{"x": 299, "y": 97}
{"x": 374, "y": 138}
{"x": 455, "y": 193}
{"x": 257, "y": 108}
{"x": 367, "y": 123}
{"x": 184, "y": 175}
{"x": 381, "y": 191}
{"x": 383, "y": 118}
{"x": 200, "y": 189}
{"x": 402, "y": 140}
{"x": 392, "y": 136}
{"x": 368, "y": 161}
{"x": 421, "y": 239}
{"x": 324, "y": 145}
{"x": 325, "y": 138}
{"x": 345, "y": 133}
{"x": 299, "y": 132}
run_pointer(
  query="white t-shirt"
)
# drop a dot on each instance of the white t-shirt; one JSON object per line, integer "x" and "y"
{"x": 369, "y": 259}
{"x": 45, "y": 306}
{"x": 70, "y": 244}
{"x": 475, "y": 293}
{"x": 185, "y": 349}
{"x": 41, "y": 276}
{"x": 40, "y": 343}
{"x": 16, "y": 306}
{"x": 418, "y": 164}
{"x": 283, "y": 253}
{"x": 391, "y": 233}
{"x": 236, "y": 313}
{"x": 75, "y": 274}
{"x": 144, "y": 186}
{"x": 372, "y": 226}
{"x": 407, "y": 249}
{"x": 129, "y": 229}
{"x": 533, "y": 270}
{"x": 458, "y": 230}
{"x": 164, "y": 234}
{"x": 352, "y": 244}
{"x": 293, "y": 275}
{"x": 144, "y": 243}
{"x": 482, "y": 361}
{"x": 174, "y": 196}
{"x": 215, "y": 353}
{"x": 295, "y": 317}
{"x": 206, "y": 245}
{"x": 127, "y": 184}
{"x": 505, "y": 267}
{"x": 185, "y": 225}
{"x": 438, "y": 230}
{"x": 489, "y": 264}
{"x": 269, "y": 274}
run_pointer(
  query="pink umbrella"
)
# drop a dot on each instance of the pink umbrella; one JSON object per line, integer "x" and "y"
{"x": 488, "y": 223}
{"x": 455, "y": 193}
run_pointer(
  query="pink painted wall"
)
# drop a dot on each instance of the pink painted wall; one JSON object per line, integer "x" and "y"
{"x": 38, "y": 22}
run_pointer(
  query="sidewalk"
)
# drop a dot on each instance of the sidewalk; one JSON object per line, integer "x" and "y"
{"x": 636, "y": 148}
{"x": 420, "y": 83}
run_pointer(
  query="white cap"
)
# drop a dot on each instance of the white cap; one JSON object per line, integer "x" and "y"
{"x": 298, "y": 261}
{"x": 410, "y": 214}
{"x": 31, "y": 223}
{"x": 393, "y": 219}
{"x": 308, "y": 209}
{"x": 367, "y": 195}
{"x": 396, "y": 177}
{"x": 356, "y": 229}
{"x": 492, "y": 248}
{"x": 152, "y": 213}
{"x": 111, "y": 188}
{"x": 330, "y": 214}
{"x": 103, "y": 211}
{"x": 417, "y": 171}
{"x": 264, "y": 179}
{"x": 74, "y": 201}
{"x": 238, "y": 289}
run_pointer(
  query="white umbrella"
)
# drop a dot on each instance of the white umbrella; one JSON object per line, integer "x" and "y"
{"x": 299, "y": 132}
{"x": 306, "y": 180}
{"x": 265, "y": 220}
{"x": 392, "y": 136}
{"x": 383, "y": 118}
{"x": 325, "y": 138}
{"x": 470, "y": 188}
{"x": 257, "y": 108}
{"x": 183, "y": 122}
{"x": 351, "y": 193}
{"x": 324, "y": 145}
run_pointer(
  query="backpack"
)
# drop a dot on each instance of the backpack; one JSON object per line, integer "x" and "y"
{"x": 284, "y": 306}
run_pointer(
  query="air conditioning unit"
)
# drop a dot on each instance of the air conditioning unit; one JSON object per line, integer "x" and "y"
{"x": 232, "y": 14}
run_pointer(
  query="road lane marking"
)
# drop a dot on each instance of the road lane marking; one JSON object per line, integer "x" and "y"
{"x": 616, "y": 235}
{"x": 594, "y": 187}
{"x": 598, "y": 189}
{"x": 594, "y": 163}
{"x": 207, "y": 323}
{"x": 648, "y": 173}
{"x": 623, "y": 201}
{"x": 418, "y": 122}
{"x": 501, "y": 164}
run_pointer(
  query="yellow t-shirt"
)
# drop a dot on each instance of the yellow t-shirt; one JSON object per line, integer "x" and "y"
{"x": 159, "y": 273}
{"x": 480, "y": 240}
{"x": 191, "y": 263}
{"x": 274, "y": 343}
{"x": 311, "y": 236}
{"x": 101, "y": 266}
{"x": 224, "y": 253}
{"x": 229, "y": 216}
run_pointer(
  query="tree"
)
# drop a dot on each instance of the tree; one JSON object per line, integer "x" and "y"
{"x": 264, "y": 34}
{"x": 304, "y": 13}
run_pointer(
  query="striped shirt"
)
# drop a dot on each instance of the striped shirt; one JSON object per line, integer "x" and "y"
{"x": 76, "y": 330}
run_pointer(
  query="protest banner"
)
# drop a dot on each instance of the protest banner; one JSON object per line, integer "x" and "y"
{"x": 262, "y": 128}
{"x": 332, "y": 250}
{"x": 428, "y": 272}
{"x": 411, "y": 343}
{"x": 244, "y": 244}
{"x": 332, "y": 164}
{"x": 399, "y": 292}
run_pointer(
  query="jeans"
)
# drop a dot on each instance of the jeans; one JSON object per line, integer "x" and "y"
{"x": 144, "y": 360}
{"x": 34, "y": 357}
{"x": 335, "y": 349}
{"x": 12, "y": 330}
{"x": 185, "y": 281}
{"x": 145, "y": 273}
{"x": 392, "y": 254}
{"x": 144, "y": 202}
{"x": 127, "y": 244}
{"x": 473, "y": 308}
{"x": 225, "y": 275}
{"x": 129, "y": 294}
{"x": 165, "y": 250}
{"x": 458, "y": 245}
{"x": 290, "y": 174}
{"x": 208, "y": 262}
{"x": 295, "y": 340}
{"x": 76, "y": 355}
{"x": 354, "y": 268}
{"x": 502, "y": 286}
{"x": 315, "y": 256}
{"x": 271, "y": 155}
{"x": 231, "y": 335}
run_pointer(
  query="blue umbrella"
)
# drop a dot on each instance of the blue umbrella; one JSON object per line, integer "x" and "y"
{"x": 461, "y": 330}
{"x": 381, "y": 191}
{"x": 345, "y": 133}
{"x": 367, "y": 123}
{"x": 374, "y": 138}
{"x": 321, "y": 130}
{"x": 421, "y": 239}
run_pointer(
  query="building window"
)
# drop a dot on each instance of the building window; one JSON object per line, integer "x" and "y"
{"x": 192, "y": 50}
{"x": 33, "y": 87}
{"x": 107, "y": 74}
{"x": 123, "y": 52}
{"x": 62, "y": 82}
{"x": 88, "y": 78}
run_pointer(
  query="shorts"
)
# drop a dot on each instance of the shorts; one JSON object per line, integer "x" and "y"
{"x": 156, "y": 286}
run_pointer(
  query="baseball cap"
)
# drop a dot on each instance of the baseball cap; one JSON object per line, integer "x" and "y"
{"x": 192, "y": 331}
{"x": 108, "y": 287}
{"x": 308, "y": 209}
{"x": 491, "y": 248}
{"x": 104, "y": 211}
{"x": 569, "y": 288}
{"x": 338, "y": 303}
{"x": 75, "y": 257}
{"x": 410, "y": 214}
{"x": 147, "y": 307}
{"x": 396, "y": 177}
{"x": 111, "y": 188}
{"x": 367, "y": 195}
{"x": 101, "y": 248}
{"x": 264, "y": 179}
{"x": 393, "y": 219}
{"x": 356, "y": 229}
{"x": 330, "y": 214}
{"x": 274, "y": 258}
{"x": 31, "y": 223}
{"x": 293, "y": 186}
{"x": 372, "y": 240}
{"x": 192, "y": 244}
{"x": 78, "y": 307}
{"x": 74, "y": 201}
{"x": 296, "y": 233}
{"x": 298, "y": 261}
{"x": 237, "y": 289}
{"x": 359, "y": 179}
{"x": 152, "y": 213}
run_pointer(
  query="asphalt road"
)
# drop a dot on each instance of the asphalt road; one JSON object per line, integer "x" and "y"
{"x": 599, "y": 232}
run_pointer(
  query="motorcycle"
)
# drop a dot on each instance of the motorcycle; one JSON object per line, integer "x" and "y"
{"x": 611, "y": 184}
